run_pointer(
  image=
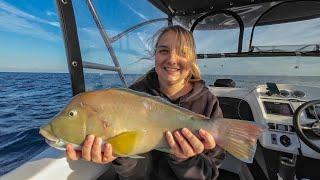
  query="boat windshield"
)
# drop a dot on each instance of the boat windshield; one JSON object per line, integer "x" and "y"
{"x": 130, "y": 26}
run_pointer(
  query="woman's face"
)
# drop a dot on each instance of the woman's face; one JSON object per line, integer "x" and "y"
{"x": 171, "y": 66}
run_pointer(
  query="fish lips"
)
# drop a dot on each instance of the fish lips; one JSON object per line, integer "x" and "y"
{"x": 50, "y": 139}
{"x": 55, "y": 142}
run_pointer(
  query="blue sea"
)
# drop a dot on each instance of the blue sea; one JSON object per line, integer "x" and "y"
{"x": 28, "y": 100}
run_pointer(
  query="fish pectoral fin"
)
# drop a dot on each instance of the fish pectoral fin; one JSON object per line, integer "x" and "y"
{"x": 136, "y": 157}
{"x": 166, "y": 150}
{"x": 125, "y": 143}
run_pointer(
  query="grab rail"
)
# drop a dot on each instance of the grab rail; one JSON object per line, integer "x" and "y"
{"x": 97, "y": 66}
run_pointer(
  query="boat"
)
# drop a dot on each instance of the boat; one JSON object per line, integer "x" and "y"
{"x": 272, "y": 33}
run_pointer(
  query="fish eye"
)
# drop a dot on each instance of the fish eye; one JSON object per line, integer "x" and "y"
{"x": 72, "y": 113}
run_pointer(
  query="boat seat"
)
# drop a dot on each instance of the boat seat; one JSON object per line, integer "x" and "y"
{"x": 224, "y": 83}
{"x": 235, "y": 108}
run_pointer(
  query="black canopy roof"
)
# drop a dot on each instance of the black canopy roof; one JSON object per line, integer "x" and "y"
{"x": 188, "y": 7}
{"x": 249, "y": 10}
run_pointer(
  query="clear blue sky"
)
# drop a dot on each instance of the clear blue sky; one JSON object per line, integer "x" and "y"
{"x": 30, "y": 36}
{"x": 31, "y": 39}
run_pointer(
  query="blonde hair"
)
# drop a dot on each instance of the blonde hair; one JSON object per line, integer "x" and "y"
{"x": 185, "y": 39}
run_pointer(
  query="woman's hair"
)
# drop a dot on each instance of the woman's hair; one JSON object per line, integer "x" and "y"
{"x": 186, "y": 48}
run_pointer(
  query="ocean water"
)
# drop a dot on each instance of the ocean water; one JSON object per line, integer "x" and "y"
{"x": 28, "y": 100}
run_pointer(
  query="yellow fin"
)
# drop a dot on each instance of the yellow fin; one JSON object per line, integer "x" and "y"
{"x": 125, "y": 143}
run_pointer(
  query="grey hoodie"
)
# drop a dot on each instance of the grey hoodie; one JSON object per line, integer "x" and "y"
{"x": 165, "y": 166}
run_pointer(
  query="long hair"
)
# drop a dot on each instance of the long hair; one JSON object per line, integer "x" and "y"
{"x": 185, "y": 39}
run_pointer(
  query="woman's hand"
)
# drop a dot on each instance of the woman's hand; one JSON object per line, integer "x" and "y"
{"x": 184, "y": 144}
{"x": 91, "y": 151}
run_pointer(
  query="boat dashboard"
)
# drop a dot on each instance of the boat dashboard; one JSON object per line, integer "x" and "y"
{"x": 273, "y": 106}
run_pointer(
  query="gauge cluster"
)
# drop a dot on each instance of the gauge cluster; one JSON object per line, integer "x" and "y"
{"x": 292, "y": 93}
{"x": 272, "y": 89}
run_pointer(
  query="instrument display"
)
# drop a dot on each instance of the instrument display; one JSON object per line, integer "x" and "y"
{"x": 277, "y": 108}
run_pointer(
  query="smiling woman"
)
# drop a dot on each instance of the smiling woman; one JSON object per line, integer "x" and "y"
{"x": 175, "y": 59}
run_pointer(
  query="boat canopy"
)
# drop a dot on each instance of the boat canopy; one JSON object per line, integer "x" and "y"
{"x": 249, "y": 11}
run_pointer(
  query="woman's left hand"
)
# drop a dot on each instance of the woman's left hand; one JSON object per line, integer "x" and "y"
{"x": 184, "y": 144}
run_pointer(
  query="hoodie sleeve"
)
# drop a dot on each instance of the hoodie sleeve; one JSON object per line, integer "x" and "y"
{"x": 200, "y": 167}
{"x": 124, "y": 167}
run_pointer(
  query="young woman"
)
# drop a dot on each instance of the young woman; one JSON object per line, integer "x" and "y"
{"x": 176, "y": 77}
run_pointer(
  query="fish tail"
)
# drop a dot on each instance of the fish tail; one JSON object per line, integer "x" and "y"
{"x": 238, "y": 137}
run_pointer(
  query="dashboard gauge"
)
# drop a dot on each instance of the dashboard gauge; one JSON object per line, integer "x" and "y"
{"x": 284, "y": 93}
{"x": 298, "y": 94}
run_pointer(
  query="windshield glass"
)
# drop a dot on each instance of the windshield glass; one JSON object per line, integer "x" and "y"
{"x": 248, "y": 72}
{"x": 132, "y": 49}
{"x": 300, "y": 36}
{"x": 210, "y": 39}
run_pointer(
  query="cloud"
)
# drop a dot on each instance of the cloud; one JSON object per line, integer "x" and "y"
{"x": 14, "y": 20}
{"x": 50, "y": 13}
{"x": 17, "y": 12}
{"x": 134, "y": 10}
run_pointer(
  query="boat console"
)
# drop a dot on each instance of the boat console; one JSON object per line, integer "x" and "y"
{"x": 277, "y": 111}
{"x": 273, "y": 105}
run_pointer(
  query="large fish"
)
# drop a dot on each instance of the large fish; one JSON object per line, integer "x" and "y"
{"x": 134, "y": 123}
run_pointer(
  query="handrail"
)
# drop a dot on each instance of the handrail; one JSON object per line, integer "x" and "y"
{"x": 117, "y": 37}
{"x": 98, "y": 66}
{"x": 226, "y": 12}
{"x": 259, "y": 54}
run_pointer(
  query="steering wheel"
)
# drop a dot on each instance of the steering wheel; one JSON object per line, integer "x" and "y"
{"x": 311, "y": 129}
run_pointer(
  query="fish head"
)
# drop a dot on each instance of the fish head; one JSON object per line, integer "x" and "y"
{"x": 68, "y": 126}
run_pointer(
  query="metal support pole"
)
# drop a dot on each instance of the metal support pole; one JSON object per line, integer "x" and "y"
{"x": 71, "y": 42}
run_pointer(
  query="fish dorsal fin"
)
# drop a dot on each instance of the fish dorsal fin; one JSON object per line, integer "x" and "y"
{"x": 125, "y": 143}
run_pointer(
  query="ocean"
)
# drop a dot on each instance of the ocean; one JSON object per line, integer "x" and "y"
{"x": 28, "y": 100}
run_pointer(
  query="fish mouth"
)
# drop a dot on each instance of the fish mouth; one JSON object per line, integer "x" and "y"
{"x": 53, "y": 141}
{"x": 50, "y": 139}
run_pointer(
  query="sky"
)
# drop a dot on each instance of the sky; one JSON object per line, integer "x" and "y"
{"x": 31, "y": 40}
{"x": 30, "y": 37}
